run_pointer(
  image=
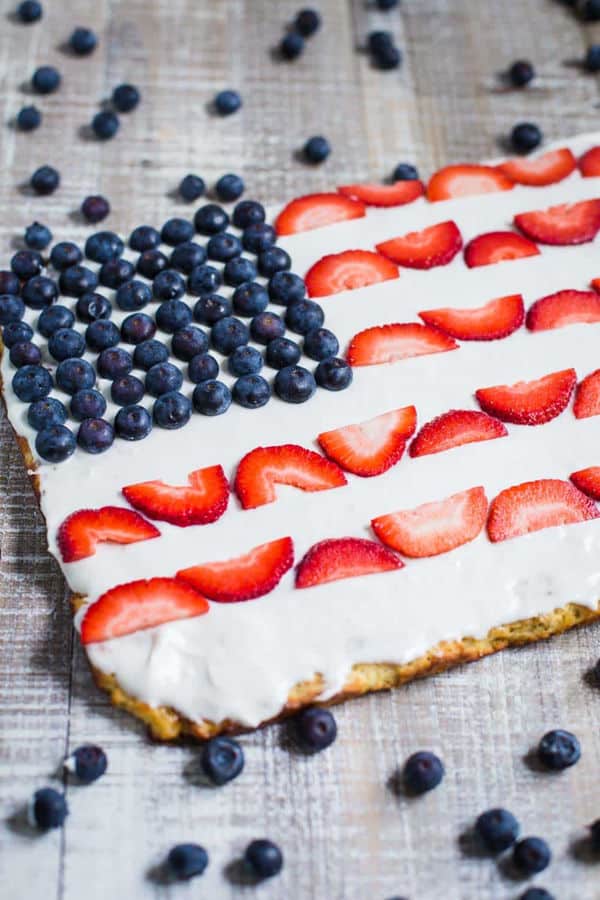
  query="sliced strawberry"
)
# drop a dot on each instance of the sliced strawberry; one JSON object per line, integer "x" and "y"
{"x": 466, "y": 180}
{"x": 595, "y": 284}
{"x": 140, "y": 604}
{"x": 264, "y": 467}
{"x": 546, "y": 169}
{"x": 347, "y": 271}
{"x": 587, "y": 481}
{"x": 248, "y": 576}
{"x": 563, "y": 308}
{"x": 436, "y": 245}
{"x": 204, "y": 499}
{"x": 496, "y": 319}
{"x": 529, "y": 402}
{"x": 569, "y": 223}
{"x": 389, "y": 343}
{"x": 498, "y": 246}
{"x": 396, "y": 194}
{"x": 337, "y": 558}
{"x": 82, "y": 530}
{"x": 587, "y": 396}
{"x": 535, "y": 505}
{"x": 316, "y": 210}
{"x": 434, "y": 528}
{"x": 454, "y": 428}
{"x": 371, "y": 447}
{"x": 589, "y": 163}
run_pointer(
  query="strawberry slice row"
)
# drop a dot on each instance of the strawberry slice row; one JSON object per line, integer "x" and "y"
{"x": 315, "y": 211}
{"x": 588, "y": 481}
{"x": 534, "y": 505}
{"x": 263, "y": 468}
{"x": 397, "y": 194}
{"x": 454, "y": 429}
{"x": 348, "y": 271}
{"x": 202, "y": 501}
{"x": 393, "y": 342}
{"x": 83, "y": 530}
{"x": 549, "y": 168}
{"x": 529, "y": 402}
{"x": 587, "y": 396}
{"x": 371, "y": 448}
{"x": 490, "y": 322}
{"x": 436, "y": 245}
{"x": 347, "y": 557}
{"x": 566, "y": 224}
{"x": 498, "y": 246}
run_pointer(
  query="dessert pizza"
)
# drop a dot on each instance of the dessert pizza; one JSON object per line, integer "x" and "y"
{"x": 269, "y": 489}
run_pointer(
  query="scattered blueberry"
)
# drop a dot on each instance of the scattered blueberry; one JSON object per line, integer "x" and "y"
{"x": 191, "y": 187}
{"x": 115, "y": 272}
{"x": 525, "y": 137}
{"x": 77, "y": 280}
{"x": 114, "y": 362}
{"x": 163, "y": 378}
{"x": 377, "y": 41}
{"x": 45, "y": 80}
{"x": 291, "y": 45}
{"x": 211, "y": 308}
{"x": 125, "y": 97}
{"x": 592, "y": 58}
{"x": 333, "y": 374}
{"x": 103, "y": 245}
{"x": 320, "y": 343}
{"x": 238, "y": 270}
{"x": 422, "y": 772}
{"x": 559, "y": 749}
{"x": 95, "y": 435}
{"x": 127, "y": 390}
{"x": 405, "y": 172}
{"x": 73, "y": 375}
{"x": 307, "y": 21}
{"x": 294, "y": 384}
{"x": 83, "y": 41}
{"x": 29, "y": 118}
{"x": 316, "y": 149}
{"x": 521, "y": 73}
{"x": 595, "y": 835}
{"x": 316, "y": 728}
{"x": 258, "y": 237}
{"x": 133, "y": 294}
{"x": 266, "y": 326}
{"x": 137, "y": 327}
{"x": 26, "y": 264}
{"x": 187, "y": 860}
{"x": 45, "y": 413}
{"x": 211, "y": 398}
{"x": 590, "y": 10}
{"x": 149, "y": 353}
{"x": 248, "y": 212}
{"x": 29, "y": 11}
{"x": 204, "y": 280}
{"x": 532, "y": 855}
{"x": 39, "y": 292}
{"x": 144, "y": 237}
{"x": 65, "y": 254}
{"x": 25, "y": 354}
{"x": 151, "y": 263}
{"x": 229, "y": 333}
{"x": 210, "y": 219}
{"x": 9, "y": 282}
{"x": 286, "y": 288}
{"x": 386, "y": 5}
{"x": 105, "y": 125}
{"x": 222, "y": 247}
{"x": 497, "y": 829}
{"x": 222, "y": 760}
{"x": 45, "y": 180}
{"x": 172, "y": 315}
{"x": 251, "y": 391}
{"x": 186, "y": 256}
{"x": 227, "y": 102}
{"x": 304, "y": 316}
{"x": 133, "y": 423}
{"x": 263, "y": 858}
{"x": 168, "y": 285}
{"x": 16, "y": 332}
{"x": 229, "y": 187}
{"x": 49, "y": 808}
{"x": 273, "y": 260}
{"x": 95, "y": 208}
{"x": 536, "y": 893}
{"x": 55, "y": 443}
{"x": 91, "y": 306}
{"x": 245, "y": 361}
{"x": 172, "y": 410}
{"x": 87, "y": 762}
{"x": 37, "y": 236}
{"x": 387, "y": 57}
{"x": 282, "y": 352}
{"x": 12, "y": 309}
{"x": 250, "y": 298}
{"x": 176, "y": 231}
{"x": 66, "y": 343}
{"x": 87, "y": 404}
{"x": 203, "y": 367}
{"x": 188, "y": 342}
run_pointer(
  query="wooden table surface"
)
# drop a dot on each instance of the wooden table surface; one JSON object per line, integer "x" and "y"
{"x": 345, "y": 834}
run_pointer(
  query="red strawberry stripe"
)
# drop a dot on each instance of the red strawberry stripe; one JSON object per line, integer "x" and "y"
{"x": 347, "y": 271}
{"x": 337, "y": 558}
{"x": 563, "y": 308}
{"x": 397, "y": 194}
{"x": 535, "y": 505}
{"x": 371, "y": 447}
{"x": 587, "y": 396}
{"x": 264, "y": 467}
{"x": 436, "y": 245}
{"x": 546, "y": 169}
{"x": 466, "y": 180}
{"x": 496, "y": 319}
{"x": 569, "y": 223}
{"x": 246, "y": 577}
{"x": 588, "y": 481}
{"x": 202, "y": 501}
{"x": 315, "y": 211}
{"x": 390, "y": 343}
{"x": 83, "y": 530}
{"x": 529, "y": 402}
{"x": 498, "y": 246}
{"x": 454, "y": 428}
{"x": 434, "y": 528}
{"x": 137, "y": 605}
{"x": 589, "y": 163}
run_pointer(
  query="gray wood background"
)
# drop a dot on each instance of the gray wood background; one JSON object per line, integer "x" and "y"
{"x": 345, "y": 834}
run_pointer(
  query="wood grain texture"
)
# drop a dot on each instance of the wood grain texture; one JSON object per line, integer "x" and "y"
{"x": 345, "y": 834}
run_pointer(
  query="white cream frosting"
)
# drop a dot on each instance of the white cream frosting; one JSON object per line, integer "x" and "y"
{"x": 241, "y": 660}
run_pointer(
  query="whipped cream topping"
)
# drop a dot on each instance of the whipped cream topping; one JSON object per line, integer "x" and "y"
{"x": 241, "y": 660}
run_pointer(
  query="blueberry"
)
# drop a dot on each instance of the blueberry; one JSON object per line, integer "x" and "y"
{"x": 186, "y": 256}
{"x": 251, "y": 391}
{"x": 186, "y": 860}
{"x": 15, "y": 332}
{"x": 133, "y": 294}
{"x": 292, "y": 45}
{"x": 127, "y": 390}
{"x": 316, "y": 149}
{"x": 55, "y": 443}
{"x": 188, "y": 342}
{"x": 223, "y": 247}
{"x": 29, "y": 11}
{"x": 422, "y": 772}
{"x": 590, "y": 10}
{"x": 91, "y": 306}
{"x": 115, "y": 272}
{"x": 163, "y": 378}
{"x": 497, "y": 829}
{"x": 203, "y": 367}
{"x": 286, "y": 288}
{"x": 595, "y": 835}
{"x": 559, "y": 749}
{"x": 521, "y": 73}
{"x": 238, "y": 270}
{"x": 525, "y": 137}
{"x": 273, "y": 260}
{"x": 25, "y": 354}
{"x": 176, "y": 231}
{"x": 211, "y": 398}
{"x": 333, "y": 374}
{"x": 45, "y": 80}
{"x": 245, "y": 361}
{"x": 387, "y": 57}
{"x": 66, "y": 343}
{"x": 227, "y": 102}
{"x": 229, "y": 333}
{"x": 172, "y": 315}
{"x": 168, "y": 285}
{"x": 304, "y": 316}
{"x": 65, "y": 254}
{"x": 125, "y": 97}
{"x": 105, "y": 125}
{"x": 266, "y": 326}
{"x": 386, "y": 5}
{"x": 83, "y": 41}
{"x": 133, "y": 423}
{"x": 37, "y": 236}
{"x": 87, "y": 762}
{"x": 229, "y": 187}
{"x": 222, "y": 760}
{"x": 248, "y": 212}
{"x": 77, "y": 280}
{"x": 114, "y": 362}
{"x": 49, "y": 808}
{"x": 592, "y": 58}
{"x": 53, "y": 319}
{"x": 45, "y": 413}
{"x": 211, "y": 219}
{"x": 536, "y": 893}
{"x": 144, "y": 237}
{"x": 307, "y": 21}
{"x": 137, "y": 327}
{"x": 73, "y": 375}
{"x": 45, "y": 180}
{"x": 103, "y": 245}
{"x": 26, "y": 264}
{"x": 95, "y": 435}
{"x": 149, "y": 353}
{"x": 95, "y": 208}
{"x": 316, "y": 728}
{"x": 12, "y": 308}
{"x": 379, "y": 40}
{"x": 250, "y": 298}
{"x": 282, "y": 352}
{"x": 531, "y": 855}
{"x": 87, "y": 404}
{"x": 258, "y": 237}
{"x": 211, "y": 308}
{"x": 172, "y": 410}
{"x": 294, "y": 384}
{"x": 204, "y": 280}
{"x": 9, "y": 282}
{"x": 151, "y": 263}
{"x": 191, "y": 187}
{"x": 405, "y": 172}
{"x": 263, "y": 859}
{"x": 320, "y": 343}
